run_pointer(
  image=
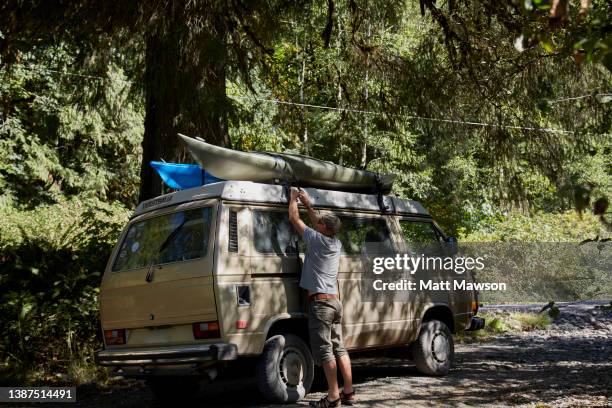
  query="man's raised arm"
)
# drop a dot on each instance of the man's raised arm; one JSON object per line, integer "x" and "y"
{"x": 294, "y": 213}
{"x": 312, "y": 214}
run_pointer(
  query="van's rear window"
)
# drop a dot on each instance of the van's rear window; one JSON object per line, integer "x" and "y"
{"x": 174, "y": 237}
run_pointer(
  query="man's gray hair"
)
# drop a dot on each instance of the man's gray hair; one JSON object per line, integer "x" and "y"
{"x": 332, "y": 223}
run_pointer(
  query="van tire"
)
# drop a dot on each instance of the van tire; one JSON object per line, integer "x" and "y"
{"x": 285, "y": 370}
{"x": 173, "y": 389}
{"x": 434, "y": 351}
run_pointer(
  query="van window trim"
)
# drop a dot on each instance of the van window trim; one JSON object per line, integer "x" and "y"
{"x": 163, "y": 212}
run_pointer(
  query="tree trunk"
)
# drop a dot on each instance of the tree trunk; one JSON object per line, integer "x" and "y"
{"x": 185, "y": 90}
{"x": 160, "y": 141}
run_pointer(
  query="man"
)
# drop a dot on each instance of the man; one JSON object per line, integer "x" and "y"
{"x": 320, "y": 279}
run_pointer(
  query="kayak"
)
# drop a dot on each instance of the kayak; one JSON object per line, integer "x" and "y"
{"x": 284, "y": 168}
{"x": 182, "y": 176}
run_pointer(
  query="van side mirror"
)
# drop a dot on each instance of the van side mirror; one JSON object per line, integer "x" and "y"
{"x": 452, "y": 246}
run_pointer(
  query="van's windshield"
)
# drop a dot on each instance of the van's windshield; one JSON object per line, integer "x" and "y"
{"x": 174, "y": 237}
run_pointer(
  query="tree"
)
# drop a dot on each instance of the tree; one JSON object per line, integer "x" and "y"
{"x": 446, "y": 102}
{"x": 536, "y": 46}
{"x": 64, "y": 134}
{"x": 189, "y": 50}
{"x": 462, "y": 122}
{"x": 186, "y": 63}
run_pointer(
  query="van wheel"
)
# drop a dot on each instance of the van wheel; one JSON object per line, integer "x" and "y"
{"x": 286, "y": 369}
{"x": 434, "y": 351}
{"x": 173, "y": 389}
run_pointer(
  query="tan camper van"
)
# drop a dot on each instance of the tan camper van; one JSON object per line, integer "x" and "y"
{"x": 204, "y": 277}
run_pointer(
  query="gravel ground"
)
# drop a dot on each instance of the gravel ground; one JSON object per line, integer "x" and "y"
{"x": 567, "y": 365}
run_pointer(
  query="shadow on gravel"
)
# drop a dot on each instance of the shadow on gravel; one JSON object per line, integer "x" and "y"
{"x": 507, "y": 370}
{"x": 518, "y": 371}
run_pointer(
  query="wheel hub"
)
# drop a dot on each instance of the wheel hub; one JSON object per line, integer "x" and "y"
{"x": 291, "y": 367}
{"x": 439, "y": 347}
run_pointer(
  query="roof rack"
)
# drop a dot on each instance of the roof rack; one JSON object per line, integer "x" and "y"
{"x": 247, "y": 191}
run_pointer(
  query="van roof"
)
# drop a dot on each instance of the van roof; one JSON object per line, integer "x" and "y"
{"x": 247, "y": 191}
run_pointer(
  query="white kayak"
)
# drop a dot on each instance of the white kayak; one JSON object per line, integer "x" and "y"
{"x": 281, "y": 168}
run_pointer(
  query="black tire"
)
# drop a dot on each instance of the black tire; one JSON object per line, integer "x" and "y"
{"x": 434, "y": 351}
{"x": 174, "y": 389}
{"x": 285, "y": 370}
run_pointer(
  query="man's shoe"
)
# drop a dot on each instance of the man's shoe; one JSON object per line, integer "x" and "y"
{"x": 326, "y": 403}
{"x": 348, "y": 399}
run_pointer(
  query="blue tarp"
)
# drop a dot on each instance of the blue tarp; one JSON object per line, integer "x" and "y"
{"x": 182, "y": 176}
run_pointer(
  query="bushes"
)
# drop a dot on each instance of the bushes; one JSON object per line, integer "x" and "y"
{"x": 51, "y": 262}
{"x": 542, "y": 227}
{"x": 531, "y": 321}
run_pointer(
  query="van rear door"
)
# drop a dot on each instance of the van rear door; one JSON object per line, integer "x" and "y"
{"x": 161, "y": 272}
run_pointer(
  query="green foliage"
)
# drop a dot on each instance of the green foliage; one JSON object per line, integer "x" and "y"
{"x": 497, "y": 325}
{"x": 542, "y": 227}
{"x": 585, "y": 34}
{"x": 52, "y": 259}
{"x": 65, "y": 135}
{"x": 524, "y": 169}
{"x": 257, "y": 130}
{"x": 531, "y": 321}
{"x": 407, "y": 95}
{"x": 444, "y": 101}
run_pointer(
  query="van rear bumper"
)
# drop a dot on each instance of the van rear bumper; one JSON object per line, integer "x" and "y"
{"x": 167, "y": 355}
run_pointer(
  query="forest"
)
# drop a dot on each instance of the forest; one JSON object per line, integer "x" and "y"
{"x": 495, "y": 115}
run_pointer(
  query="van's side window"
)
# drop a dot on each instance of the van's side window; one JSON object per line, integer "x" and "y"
{"x": 357, "y": 232}
{"x": 273, "y": 233}
{"x": 178, "y": 236}
{"x": 421, "y": 237}
{"x": 419, "y": 232}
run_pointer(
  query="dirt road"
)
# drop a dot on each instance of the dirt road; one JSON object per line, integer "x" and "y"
{"x": 567, "y": 365}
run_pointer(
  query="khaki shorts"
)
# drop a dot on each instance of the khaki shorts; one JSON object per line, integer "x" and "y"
{"x": 325, "y": 328}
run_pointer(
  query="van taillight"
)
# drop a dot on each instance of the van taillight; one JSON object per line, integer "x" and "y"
{"x": 206, "y": 330}
{"x": 475, "y": 304}
{"x": 474, "y": 307}
{"x": 114, "y": 337}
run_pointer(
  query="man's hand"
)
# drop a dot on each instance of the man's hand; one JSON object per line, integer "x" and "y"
{"x": 303, "y": 196}
{"x": 294, "y": 193}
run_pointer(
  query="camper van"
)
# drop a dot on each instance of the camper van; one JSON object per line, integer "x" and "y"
{"x": 205, "y": 277}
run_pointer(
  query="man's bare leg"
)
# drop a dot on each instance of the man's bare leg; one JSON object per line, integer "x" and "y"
{"x": 344, "y": 364}
{"x": 332, "y": 380}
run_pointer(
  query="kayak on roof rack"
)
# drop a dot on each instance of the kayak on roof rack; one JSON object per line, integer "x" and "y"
{"x": 285, "y": 168}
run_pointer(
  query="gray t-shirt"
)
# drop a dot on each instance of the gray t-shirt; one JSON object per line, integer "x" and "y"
{"x": 320, "y": 271}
